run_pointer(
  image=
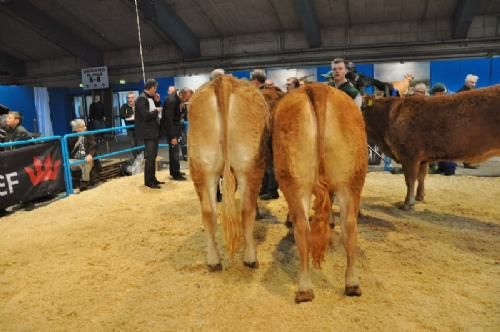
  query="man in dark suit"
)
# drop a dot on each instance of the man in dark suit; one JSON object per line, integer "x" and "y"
{"x": 172, "y": 127}
{"x": 147, "y": 129}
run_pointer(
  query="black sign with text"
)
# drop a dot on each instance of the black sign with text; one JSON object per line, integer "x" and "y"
{"x": 30, "y": 172}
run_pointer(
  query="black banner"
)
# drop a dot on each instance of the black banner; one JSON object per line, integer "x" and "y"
{"x": 30, "y": 172}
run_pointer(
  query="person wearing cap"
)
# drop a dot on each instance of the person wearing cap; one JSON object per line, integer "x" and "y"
{"x": 439, "y": 89}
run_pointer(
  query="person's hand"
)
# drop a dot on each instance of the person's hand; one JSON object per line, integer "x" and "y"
{"x": 89, "y": 158}
{"x": 173, "y": 141}
{"x": 156, "y": 97}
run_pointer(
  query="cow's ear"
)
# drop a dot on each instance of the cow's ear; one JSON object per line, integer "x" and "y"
{"x": 368, "y": 101}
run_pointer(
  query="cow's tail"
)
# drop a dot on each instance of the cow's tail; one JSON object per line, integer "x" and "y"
{"x": 320, "y": 228}
{"x": 230, "y": 215}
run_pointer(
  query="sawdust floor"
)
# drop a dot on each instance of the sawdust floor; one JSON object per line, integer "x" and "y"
{"x": 124, "y": 258}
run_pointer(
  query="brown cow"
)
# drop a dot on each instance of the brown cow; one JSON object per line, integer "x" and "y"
{"x": 228, "y": 124}
{"x": 418, "y": 130}
{"x": 319, "y": 147}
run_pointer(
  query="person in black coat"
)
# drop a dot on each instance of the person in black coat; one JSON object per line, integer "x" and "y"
{"x": 147, "y": 129}
{"x": 13, "y": 129}
{"x": 172, "y": 129}
{"x": 97, "y": 116}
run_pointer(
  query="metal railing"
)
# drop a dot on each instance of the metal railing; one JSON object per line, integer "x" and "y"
{"x": 30, "y": 141}
{"x": 66, "y": 156}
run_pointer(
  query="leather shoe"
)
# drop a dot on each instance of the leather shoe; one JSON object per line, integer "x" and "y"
{"x": 28, "y": 206}
{"x": 470, "y": 166}
{"x": 153, "y": 186}
{"x": 159, "y": 182}
{"x": 179, "y": 178}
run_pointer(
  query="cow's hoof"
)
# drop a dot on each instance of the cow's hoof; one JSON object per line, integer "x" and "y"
{"x": 214, "y": 268}
{"x": 304, "y": 296}
{"x": 352, "y": 290}
{"x": 251, "y": 265}
{"x": 406, "y": 207}
{"x": 419, "y": 198}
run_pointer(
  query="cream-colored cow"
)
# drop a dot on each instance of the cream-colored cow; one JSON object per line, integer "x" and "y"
{"x": 403, "y": 85}
{"x": 228, "y": 125}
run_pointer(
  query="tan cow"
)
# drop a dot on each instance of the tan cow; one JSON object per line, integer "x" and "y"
{"x": 228, "y": 124}
{"x": 403, "y": 85}
{"x": 319, "y": 147}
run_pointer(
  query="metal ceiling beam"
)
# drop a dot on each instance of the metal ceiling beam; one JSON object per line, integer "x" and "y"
{"x": 305, "y": 9}
{"x": 464, "y": 14}
{"x": 348, "y": 12}
{"x": 35, "y": 19}
{"x": 11, "y": 65}
{"x": 165, "y": 18}
{"x": 411, "y": 51}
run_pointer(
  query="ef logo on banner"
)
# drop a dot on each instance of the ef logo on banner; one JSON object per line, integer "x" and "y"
{"x": 8, "y": 181}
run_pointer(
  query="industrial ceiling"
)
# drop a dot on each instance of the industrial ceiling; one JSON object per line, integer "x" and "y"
{"x": 48, "y": 42}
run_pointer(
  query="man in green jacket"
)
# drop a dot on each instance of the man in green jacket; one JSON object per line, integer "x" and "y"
{"x": 14, "y": 129}
{"x": 339, "y": 69}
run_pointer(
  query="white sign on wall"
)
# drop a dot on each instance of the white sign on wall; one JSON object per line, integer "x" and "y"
{"x": 193, "y": 82}
{"x": 95, "y": 78}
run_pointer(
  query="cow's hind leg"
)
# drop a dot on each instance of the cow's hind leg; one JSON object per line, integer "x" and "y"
{"x": 331, "y": 219}
{"x": 422, "y": 172}
{"x": 207, "y": 193}
{"x": 302, "y": 235}
{"x": 248, "y": 201}
{"x": 410, "y": 169}
{"x": 349, "y": 207}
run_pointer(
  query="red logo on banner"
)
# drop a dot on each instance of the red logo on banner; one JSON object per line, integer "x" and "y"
{"x": 43, "y": 171}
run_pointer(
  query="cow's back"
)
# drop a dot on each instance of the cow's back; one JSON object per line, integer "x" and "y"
{"x": 295, "y": 138}
{"x": 463, "y": 126}
{"x": 248, "y": 119}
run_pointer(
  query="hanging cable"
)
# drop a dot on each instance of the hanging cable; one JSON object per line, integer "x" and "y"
{"x": 140, "y": 41}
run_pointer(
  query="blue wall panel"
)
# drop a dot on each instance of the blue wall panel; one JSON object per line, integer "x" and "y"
{"x": 60, "y": 110}
{"x": 163, "y": 84}
{"x": 452, "y": 72}
{"x": 20, "y": 99}
{"x": 241, "y": 74}
{"x": 322, "y": 70}
{"x": 495, "y": 71}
